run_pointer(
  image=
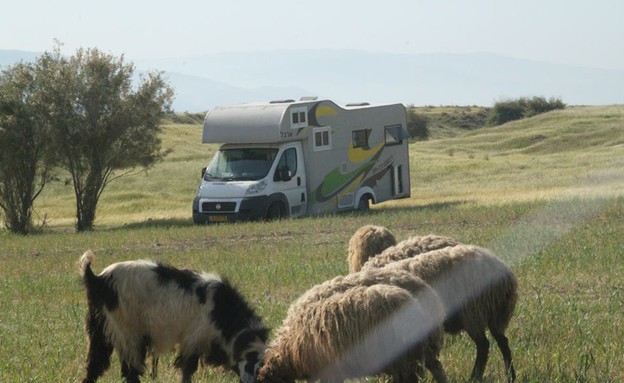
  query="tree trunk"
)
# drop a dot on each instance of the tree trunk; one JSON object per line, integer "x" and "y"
{"x": 87, "y": 200}
{"x": 86, "y": 213}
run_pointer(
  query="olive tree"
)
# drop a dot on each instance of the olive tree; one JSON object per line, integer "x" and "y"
{"x": 104, "y": 123}
{"x": 26, "y": 155}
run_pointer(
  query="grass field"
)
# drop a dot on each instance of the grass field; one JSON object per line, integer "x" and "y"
{"x": 546, "y": 194}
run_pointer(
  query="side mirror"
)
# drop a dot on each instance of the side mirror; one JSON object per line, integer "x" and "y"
{"x": 203, "y": 172}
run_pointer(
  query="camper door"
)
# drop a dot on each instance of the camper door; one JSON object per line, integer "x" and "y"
{"x": 289, "y": 178}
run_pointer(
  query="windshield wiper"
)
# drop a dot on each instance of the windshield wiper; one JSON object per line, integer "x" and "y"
{"x": 210, "y": 177}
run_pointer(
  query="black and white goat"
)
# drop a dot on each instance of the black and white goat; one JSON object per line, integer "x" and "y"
{"x": 141, "y": 306}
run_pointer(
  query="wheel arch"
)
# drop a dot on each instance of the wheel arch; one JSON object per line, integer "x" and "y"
{"x": 366, "y": 190}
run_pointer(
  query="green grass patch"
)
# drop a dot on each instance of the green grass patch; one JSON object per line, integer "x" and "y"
{"x": 554, "y": 214}
{"x": 567, "y": 255}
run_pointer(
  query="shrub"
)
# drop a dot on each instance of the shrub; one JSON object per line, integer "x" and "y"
{"x": 537, "y": 105}
{"x": 516, "y": 109}
{"x": 417, "y": 126}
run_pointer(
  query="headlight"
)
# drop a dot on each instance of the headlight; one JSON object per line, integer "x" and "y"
{"x": 256, "y": 188}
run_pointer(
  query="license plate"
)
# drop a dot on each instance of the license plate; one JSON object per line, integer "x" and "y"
{"x": 218, "y": 218}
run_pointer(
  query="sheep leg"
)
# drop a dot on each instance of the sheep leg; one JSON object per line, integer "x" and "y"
{"x": 188, "y": 365}
{"x": 435, "y": 367}
{"x": 503, "y": 345}
{"x": 130, "y": 373}
{"x": 483, "y": 348}
{"x": 100, "y": 349}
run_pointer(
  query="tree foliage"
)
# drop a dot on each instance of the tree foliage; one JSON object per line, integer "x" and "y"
{"x": 26, "y": 155}
{"x": 87, "y": 114}
{"x": 102, "y": 125}
{"x": 510, "y": 110}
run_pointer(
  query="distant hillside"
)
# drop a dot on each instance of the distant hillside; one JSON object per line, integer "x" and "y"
{"x": 578, "y": 151}
{"x": 450, "y": 121}
{"x": 418, "y": 79}
{"x": 572, "y": 130}
{"x": 196, "y": 94}
{"x": 355, "y": 76}
{"x": 10, "y": 57}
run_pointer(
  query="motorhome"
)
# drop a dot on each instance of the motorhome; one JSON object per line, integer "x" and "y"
{"x": 296, "y": 158}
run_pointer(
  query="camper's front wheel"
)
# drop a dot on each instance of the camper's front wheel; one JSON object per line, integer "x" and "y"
{"x": 274, "y": 212}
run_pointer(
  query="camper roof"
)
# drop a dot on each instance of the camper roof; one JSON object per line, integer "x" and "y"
{"x": 266, "y": 122}
{"x": 244, "y": 123}
{"x": 250, "y": 123}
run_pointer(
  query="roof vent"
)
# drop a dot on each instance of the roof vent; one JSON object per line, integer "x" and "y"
{"x": 308, "y": 98}
{"x": 287, "y": 101}
{"x": 358, "y": 104}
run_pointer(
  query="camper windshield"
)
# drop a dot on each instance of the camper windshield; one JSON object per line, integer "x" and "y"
{"x": 245, "y": 164}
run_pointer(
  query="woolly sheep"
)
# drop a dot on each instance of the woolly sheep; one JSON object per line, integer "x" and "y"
{"x": 478, "y": 289}
{"x": 430, "y": 327}
{"x": 136, "y": 307}
{"x": 369, "y": 241}
{"x": 352, "y": 333}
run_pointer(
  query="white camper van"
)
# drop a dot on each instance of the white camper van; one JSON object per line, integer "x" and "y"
{"x": 294, "y": 158}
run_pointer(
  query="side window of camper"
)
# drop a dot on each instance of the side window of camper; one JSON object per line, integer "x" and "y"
{"x": 287, "y": 165}
{"x": 298, "y": 117}
{"x": 360, "y": 138}
{"x": 322, "y": 138}
{"x": 395, "y": 135}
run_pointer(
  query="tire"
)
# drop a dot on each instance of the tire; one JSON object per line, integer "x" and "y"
{"x": 274, "y": 212}
{"x": 363, "y": 204}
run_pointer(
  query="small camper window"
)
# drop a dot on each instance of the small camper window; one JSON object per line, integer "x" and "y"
{"x": 322, "y": 139}
{"x": 360, "y": 138}
{"x": 395, "y": 135}
{"x": 298, "y": 118}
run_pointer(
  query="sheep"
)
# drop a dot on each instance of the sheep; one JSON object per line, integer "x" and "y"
{"x": 378, "y": 238}
{"x": 429, "y": 331}
{"x": 478, "y": 289}
{"x": 352, "y": 333}
{"x": 369, "y": 241}
{"x": 369, "y": 277}
{"x": 140, "y": 306}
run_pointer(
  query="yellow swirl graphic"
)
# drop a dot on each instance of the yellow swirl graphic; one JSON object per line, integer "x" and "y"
{"x": 357, "y": 155}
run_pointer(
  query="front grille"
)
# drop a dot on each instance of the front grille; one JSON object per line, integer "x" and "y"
{"x": 219, "y": 207}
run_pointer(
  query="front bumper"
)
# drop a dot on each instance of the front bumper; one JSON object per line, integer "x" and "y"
{"x": 209, "y": 210}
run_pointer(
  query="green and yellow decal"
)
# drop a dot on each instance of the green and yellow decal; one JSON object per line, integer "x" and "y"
{"x": 336, "y": 182}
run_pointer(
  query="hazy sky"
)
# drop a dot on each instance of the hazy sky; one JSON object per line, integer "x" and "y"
{"x": 576, "y": 32}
